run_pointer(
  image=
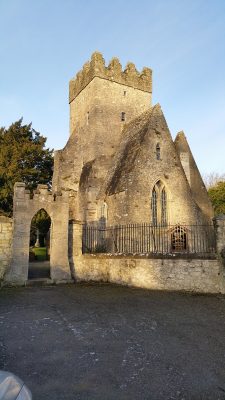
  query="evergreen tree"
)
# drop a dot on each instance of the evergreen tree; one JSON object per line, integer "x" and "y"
{"x": 41, "y": 222}
{"x": 23, "y": 158}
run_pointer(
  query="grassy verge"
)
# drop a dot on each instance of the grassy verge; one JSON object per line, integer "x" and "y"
{"x": 39, "y": 252}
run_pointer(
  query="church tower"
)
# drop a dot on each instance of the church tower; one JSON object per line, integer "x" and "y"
{"x": 103, "y": 99}
{"x": 120, "y": 158}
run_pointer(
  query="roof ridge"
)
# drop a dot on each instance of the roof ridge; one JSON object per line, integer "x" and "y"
{"x": 141, "y": 126}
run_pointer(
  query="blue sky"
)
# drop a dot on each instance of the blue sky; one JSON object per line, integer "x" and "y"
{"x": 43, "y": 44}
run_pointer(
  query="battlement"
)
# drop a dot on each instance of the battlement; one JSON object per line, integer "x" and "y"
{"x": 97, "y": 68}
{"x": 41, "y": 194}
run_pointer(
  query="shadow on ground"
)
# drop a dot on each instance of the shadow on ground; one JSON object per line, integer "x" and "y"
{"x": 107, "y": 342}
{"x": 39, "y": 270}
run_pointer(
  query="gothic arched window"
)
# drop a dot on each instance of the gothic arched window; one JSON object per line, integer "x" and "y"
{"x": 159, "y": 204}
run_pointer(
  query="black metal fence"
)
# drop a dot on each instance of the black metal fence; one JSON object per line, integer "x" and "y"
{"x": 149, "y": 239}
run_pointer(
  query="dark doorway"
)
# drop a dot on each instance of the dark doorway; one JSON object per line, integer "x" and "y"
{"x": 39, "y": 251}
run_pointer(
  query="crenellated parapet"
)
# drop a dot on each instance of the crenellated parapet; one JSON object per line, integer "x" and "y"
{"x": 41, "y": 197}
{"x": 97, "y": 68}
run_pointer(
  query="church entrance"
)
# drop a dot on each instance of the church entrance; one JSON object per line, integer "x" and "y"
{"x": 39, "y": 250}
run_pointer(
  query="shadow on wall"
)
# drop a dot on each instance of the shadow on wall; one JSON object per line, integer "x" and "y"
{"x": 71, "y": 249}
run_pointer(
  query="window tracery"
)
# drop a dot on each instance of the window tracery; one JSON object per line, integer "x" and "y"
{"x": 159, "y": 206}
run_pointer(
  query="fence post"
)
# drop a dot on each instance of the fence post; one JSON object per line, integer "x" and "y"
{"x": 77, "y": 238}
{"x": 219, "y": 224}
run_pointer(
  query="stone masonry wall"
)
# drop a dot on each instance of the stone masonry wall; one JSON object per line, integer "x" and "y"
{"x": 197, "y": 275}
{"x": 99, "y": 107}
{"x": 96, "y": 129}
{"x": 219, "y": 223}
{"x": 25, "y": 207}
{"x": 96, "y": 67}
{"x": 5, "y": 244}
{"x": 136, "y": 170}
{"x": 171, "y": 273}
{"x": 194, "y": 178}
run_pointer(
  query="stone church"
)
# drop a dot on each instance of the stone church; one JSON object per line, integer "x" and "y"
{"x": 128, "y": 204}
{"x": 120, "y": 162}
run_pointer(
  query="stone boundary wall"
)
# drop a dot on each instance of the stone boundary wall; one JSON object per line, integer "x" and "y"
{"x": 197, "y": 275}
{"x": 6, "y": 225}
{"x": 188, "y": 273}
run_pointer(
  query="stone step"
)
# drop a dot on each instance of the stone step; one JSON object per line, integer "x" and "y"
{"x": 39, "y": 282}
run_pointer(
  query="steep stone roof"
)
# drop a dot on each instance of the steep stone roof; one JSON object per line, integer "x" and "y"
{"x": 181, "y": 142}
{"x": 133, "y": 135}
{"x": 197, "y": 185}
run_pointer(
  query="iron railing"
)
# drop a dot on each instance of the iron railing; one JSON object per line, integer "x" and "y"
{"x": 149, "y": 239}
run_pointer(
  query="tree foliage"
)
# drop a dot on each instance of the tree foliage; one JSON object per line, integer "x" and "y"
{"x": 42, "y": 222}
{"x": 212, "y": 179}
{"x": 23, "y": 158}
{"x": 217, "y": 197}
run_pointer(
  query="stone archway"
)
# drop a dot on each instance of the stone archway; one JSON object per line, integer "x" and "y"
{"x": 24, "y": 208}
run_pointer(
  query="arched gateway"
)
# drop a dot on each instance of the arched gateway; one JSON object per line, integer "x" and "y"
{"x": 24, "y": 208}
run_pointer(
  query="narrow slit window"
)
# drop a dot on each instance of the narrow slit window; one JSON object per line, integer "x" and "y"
{"x": 103, "y": 215}
{"x": 124, "y": 93}
{"x": 157, "y": 151}
{"x": 123, "y": 115}
{"x": 104, "y": 211}
{"x": 87, "y": 117}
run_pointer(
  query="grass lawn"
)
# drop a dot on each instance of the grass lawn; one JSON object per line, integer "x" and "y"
{"x": 40, "y": 253}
